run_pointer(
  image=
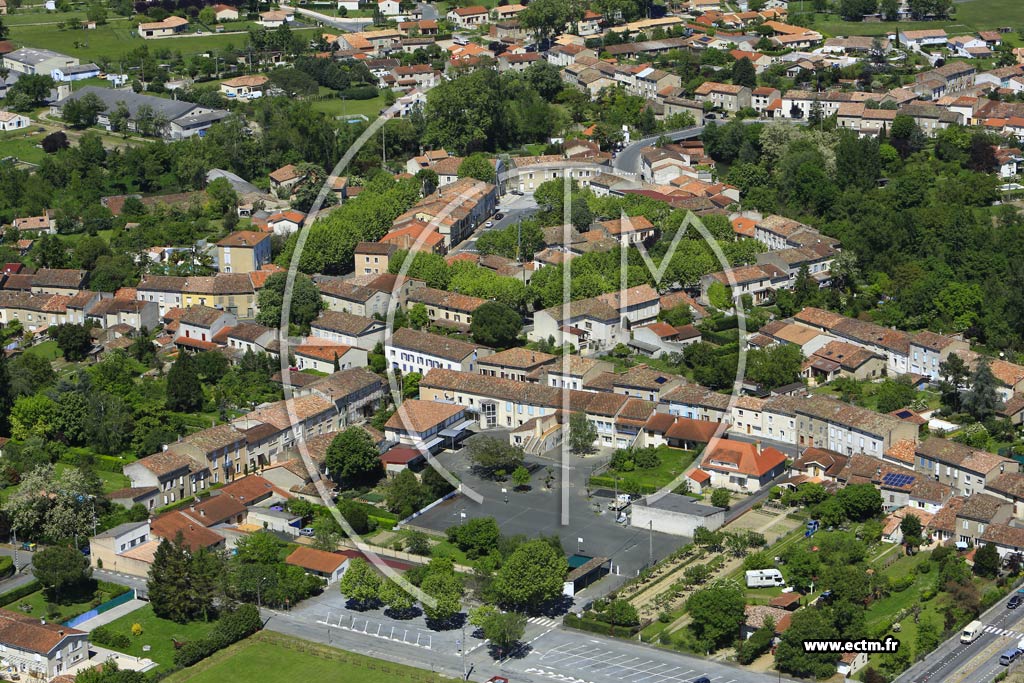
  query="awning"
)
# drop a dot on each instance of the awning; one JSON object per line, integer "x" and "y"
{"x": 429, "y": 444}
{"x": 456, "y": 430}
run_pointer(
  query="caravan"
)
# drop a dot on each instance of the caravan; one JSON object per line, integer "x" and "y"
{"x": 761, "y": 578}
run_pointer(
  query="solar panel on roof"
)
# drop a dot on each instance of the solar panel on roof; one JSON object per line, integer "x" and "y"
{"x": 897, "y": 479}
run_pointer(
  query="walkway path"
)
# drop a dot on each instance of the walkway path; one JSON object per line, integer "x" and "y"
{"x": 112, "y": 615}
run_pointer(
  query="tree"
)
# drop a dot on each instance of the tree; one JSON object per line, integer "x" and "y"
{"x": 48, "y": 506}
{"x": 860, "y": 501}
{"x": 306, "y": 302}
{"x": 953, "y": 375}
{"x": 504, "y": 629}
{"x": 495, "y": 458}
{"x": 83, "y": 111}
{"x": 621, "y": 613}
{"x": 476, "y": 537}
{"x": 169, "y": 581}
{"x": 720, "y": 498}
{"x": 981, "y": 400}
{"x": 396, "y": 598}
{"x": 74, "y": 341}
{"x": 582, "y": 434}
{"x": 495, "y": 324}
{"x": 775, "y": 366}
{"x": 60, "y": 569}
{"x": 894, "y": 394}
{"x": 360, "y": 583}
{"x": 352, "y": 456}
{"x": 447, "y": 590}
{"x": 54, "y": 142}
{"x": 403, "y": 494}
{"x": 790, "y": 656}
{"x": 986, "y": 561}
{"x": 743, "y": 73}
{"x": 549, "y": 17}
{"x": 717, "y": 613}
{"x": 418, "y": 316}
{"x": 719, "y": 296}
{"x": 29, "y": 91}
{"x": 477, "y": 166}
{"x": 531, "y": 576}
{"x": 521, "y": 477}
{"x": 184, "y": 392}
{"x": 910, "y": 527}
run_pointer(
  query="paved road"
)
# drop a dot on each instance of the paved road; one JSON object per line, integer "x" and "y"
{"x": 336, "y": 22}
{"x": 628, "y": 160}
{"x": 514, "y": 208}
{"x": 977, "y": 662}
{"x": 139, "y": 584}
{"x": 429, "y": 11}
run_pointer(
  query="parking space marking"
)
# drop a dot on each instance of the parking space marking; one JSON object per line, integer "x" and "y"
{"x": 590, "y": 661}
{"x": 377, "y": 629}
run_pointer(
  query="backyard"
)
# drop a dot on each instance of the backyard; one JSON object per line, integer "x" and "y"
{"x": 274, "y": 658}
{"x": 36, "y": 604}
{"x": 158, "y": 634}
{"x": 671, "y": 463}
{"x": 22, "y": 145}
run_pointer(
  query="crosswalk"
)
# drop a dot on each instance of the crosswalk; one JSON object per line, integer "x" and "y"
{"x": 543, "y": 621}
{"x": 1003, "y": 632}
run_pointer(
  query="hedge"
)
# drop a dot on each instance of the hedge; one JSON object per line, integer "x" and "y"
{"x": 20, "y": 592}
{"x": 103, "y": 463}
{"x": 603, "y": 628}
{"x": 6, "y": 566}
{"x": 361, "y": 92}
{"x": 232, "y": 627}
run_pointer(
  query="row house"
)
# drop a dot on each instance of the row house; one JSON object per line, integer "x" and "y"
{"x": 456, "y": 209}
{"x": 729, "y": 98}
{"x": 949, "y": 79}
{"x": 35, "y": 312}
{"x": 408, "y": 350}
{"x": 757, "y": 281}
{"x": 574, "y": 372}
{"x": 63, "y": 281}
{"x": 588, "y": 324}
{"x": 109, "y": 311}
{"x": 253, "y": 338}
{"x": 642, "y": 48}
{"x": 373, "y": 258}
{"x": 517, "y": 363}
{"x": 965, "y": 469}
{"x": 779, "y": 232}
{"x": 640, "y": 381}
{"x": 930, "y": 118}
{"x": 858, "y": 117}
{"x": 695, "y": 402}
{"x": 1010, "y": 487}
{"x": 816, "y": 259}
{"x": 894, "y": 482}
{"x": 367, "y": 297}
{"x": 426, "y": 426}
{"x": 979, "y": 512}
{"x": 234, "y": 292}
{"x": 200, "y": 326}
{"x": 774, "y": 332}
{"x": 837, "y": 426}
{"x": 357, "y": 394}
{"x": 446, "y": 309}
{"x": 320, "y": 355}
{"x": 168, "y": 476}
{"x": 841, "y": 359}
{"x": 348, "y": 328}
{"x": 276, "y": 427}
{"x": 762, "y": 97}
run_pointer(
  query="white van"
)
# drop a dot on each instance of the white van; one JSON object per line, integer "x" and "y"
{"x": 761, "y": 578}
{"x": 971, "y": 632}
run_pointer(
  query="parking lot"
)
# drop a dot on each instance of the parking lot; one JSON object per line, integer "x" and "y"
{"x": 538, "y": 511}
{"x": 589, "y": 660}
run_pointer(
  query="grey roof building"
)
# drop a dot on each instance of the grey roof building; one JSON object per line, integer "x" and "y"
{"x": 183, "y": 119}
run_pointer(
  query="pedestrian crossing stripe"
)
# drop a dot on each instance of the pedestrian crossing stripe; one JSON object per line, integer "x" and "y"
{"x": 542, "y": 621}
{"x": 1002, "y": 631}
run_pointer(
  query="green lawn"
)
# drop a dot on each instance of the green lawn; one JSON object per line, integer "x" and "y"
{"x": 112, "y": 481}
{"x": 48, "y": 350}
{"x": 158, "y": 634}
{"x": 338, "y": 107}
{"x": 23, "y": 145}
{"x": 673, "y": 463}
{"x": 274, "y": 658}
{"x": 970, "y": 15}
{"x": 36, "y": 604}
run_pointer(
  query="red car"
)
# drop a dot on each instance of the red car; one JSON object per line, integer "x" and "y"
{"x": 497, "y": 679}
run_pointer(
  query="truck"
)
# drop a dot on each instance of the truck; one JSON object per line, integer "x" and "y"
{"x": 971, "y": 632}
{"x": 761, "y": 578}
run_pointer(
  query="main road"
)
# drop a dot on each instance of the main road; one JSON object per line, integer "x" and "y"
{"x": 976, "y": 662}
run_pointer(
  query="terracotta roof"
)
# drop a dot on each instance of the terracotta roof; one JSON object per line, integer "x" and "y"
{"x": 400, "y": 455}
{"x": 348, "y": 382}
{"x": 216, "y": 509}
{"x": 758, "y": 615}
{"x": 945, "y": 518}
{"x": 375, "y": 248}
{"x": 743, "y": 457}
{"x": 25, "y": 632}
{"x": 283, "y": 414}
{"x": 68, "y": 278}
{"x": 518, "y": 357}
{"x": 318, "y": 560}
{"x": 321, "y": 349}
{"x": 1010, "y": 484}
{"x": 448, "y": 300}
{"x": 165, "y": 462}
{"x": 215, "y": 438}
{"x": 244, "y": 238}
{"x": 930, "y": 490}
{"x": 687, "y": 429}
{"x": 437, "y": 345}
{"x": 902, "y": 450}
{"x": 249, "y": 490}
{"x": 1004, "y": 535}
{"x": 285, "y": 173}
{"x": 201, "y": 316}
{"x": 348, "y": 323}
{"x": 195, "y": 535}
{"x": 420, "y": 416}
{"x": 831, "y": 461}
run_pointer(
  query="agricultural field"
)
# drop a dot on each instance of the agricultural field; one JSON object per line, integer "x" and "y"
{"x": 970, "y": 16}
{"x": 338, "y": 107}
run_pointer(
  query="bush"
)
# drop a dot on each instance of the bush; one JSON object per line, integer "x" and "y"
{"x": 361, "y": 92}
{"x": 6, "y": 566}
{"x": 232, "y": 627}
{"x": 20, "y": 592}
{"x": 102, "y": 635}
{"x": 588, "y": 623}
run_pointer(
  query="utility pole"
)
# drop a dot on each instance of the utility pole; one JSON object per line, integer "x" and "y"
{"x": 650, "y": 550}
{"x": 462, "y": 649}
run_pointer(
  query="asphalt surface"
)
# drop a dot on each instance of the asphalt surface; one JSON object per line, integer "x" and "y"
{"x": 513, "y": 207}
{"x": 337, "y": 22}
{"x": 628, "y": 159}
{"x": 429, "y": 11}
{"x": 539, "y": 512}
{"x": 976, "y": 662}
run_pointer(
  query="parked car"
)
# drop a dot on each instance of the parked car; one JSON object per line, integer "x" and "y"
{"x": 498, "y": 216}
{"x": 489, "y": 224}
{"x": 306, "y": 531}
{"x": 1015, "y": 602}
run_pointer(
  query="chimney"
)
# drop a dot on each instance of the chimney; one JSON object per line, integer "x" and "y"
{"x": 61, "y": 633}
{"x": 757, "y": 447}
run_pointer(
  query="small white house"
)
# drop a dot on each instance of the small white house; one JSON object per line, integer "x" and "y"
{"x": 11, "y": 121}
{"x": 389, "y": 8}
{"x": 350, "y": 5}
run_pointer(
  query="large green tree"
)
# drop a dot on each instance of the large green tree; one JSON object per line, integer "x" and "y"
{"x": 353, "y": 457}
{"x": 184, "y": 392}
{"x": 532, "y": 575}
{"x": 790, "y": 657}
{"x": 717, "y": 613}
{"x": 360, "y": 583}
{"x": 306, "y": 302}
{"x": 169, "y": 581}
{"x": 61, "y": 569}
{"x": 496, "y": 325}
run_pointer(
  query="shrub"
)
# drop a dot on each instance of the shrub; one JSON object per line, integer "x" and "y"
{"x": 103, "y": 635}
{"x": 232, "y": 627}
{"x": 6, "y": 566}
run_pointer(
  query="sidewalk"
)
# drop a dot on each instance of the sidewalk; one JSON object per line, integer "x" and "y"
{"x": 111, "y": 615}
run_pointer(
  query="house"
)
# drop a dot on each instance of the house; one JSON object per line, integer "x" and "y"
{"x": 817, "y": 465}
{"x": 231, "y": 292}
{"x": 516, "y": 363}
{"x": 225, "y": 13}
{"x": 638, "y": 381}
{"x": 729, "y": 98}
{"x": 198, "y": 326}
{"x": 243, "y": 251}
{"x": 680, "y": 432}
{"x": 30, "y": 60}
{"x": 273, "y": 19}
{"x": 11, "y": 121}
{"x": 979, "y": 511}
{"x": 63, "y": 281}
{"x": 349, "y": 329}
{"x": 373, "y": 258}
{"x": 455, "y": 209}
{"x": 675, "y": 514}
{"x": 174, "y": 475}
{"x": 77, "y": 72}
{"x": 329, "y": 566}
{"x": 246, "y": 87}
{"x": 758, "y": 616}
{"x": 161, "y": 29}
{"x": 427, "y": 426}
{"x": 467, "y": 17}
{"x": 967, "y": 470}
{"x": 832, "y": 424}
{"x": 285, "y": 177}
{"x": 369, "y": 299}
{"x": 742, "y": 466}
{"x": 447, "y": 309}
{"x": 357, "y": 394}
{"x": 659, "y": 338}
{"x": 923, "y": 38}
{"x": 285, "y": 222}
{"x": 588, "y": 324}
{"x": 629, "y": 229}
{"x": 182, "y": 119}
{"x": 841, "y": 359}
{"x": 573, "y": 372}
{"x": 254, "y": 338}
{"x": 759, "y": 282}
{"x": 389, "y": 8}
{"x": 36, "y": 225}
{"x": 1008, "y": 540}
{"x": 36, "y": 649}
{"x": 850, "y": 663}
{"x": 408, "y": 350}
{"x": 323, "y": 356}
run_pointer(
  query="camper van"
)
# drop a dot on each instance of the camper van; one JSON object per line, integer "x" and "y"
{"x": 761, "y": 578}
{"x": 971, "y": 632}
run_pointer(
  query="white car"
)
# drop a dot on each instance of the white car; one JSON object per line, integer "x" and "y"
{"x": 489, "y": 224}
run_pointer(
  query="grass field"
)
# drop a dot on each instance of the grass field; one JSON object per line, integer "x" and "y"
{"x": 37, "y": 605}
{"x": 113, "y": 40}
{"x": 158, "y": 635}
{"x": 112, "y": 481}
{"x": 673, "y": 463}
{"x": 24, "y": 146}
{"x": 48, "y": 350}
{"x": 337, "y": 107}
{"x": 971, "y": 15}
{"x": 274, "y": 658}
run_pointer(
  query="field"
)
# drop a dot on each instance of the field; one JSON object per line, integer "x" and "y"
{"x": 24, "y": 146}
{"x": 158, "y": 635}
{"x": 971, "y": 15}
{"x": 274, "y": 658}
{"x": 338, "y": 107}
{"x": 113, "y": 40}
{"x": 673, "y": 463}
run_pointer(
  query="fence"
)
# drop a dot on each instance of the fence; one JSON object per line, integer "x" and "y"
{"x": 96, "y": 611}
